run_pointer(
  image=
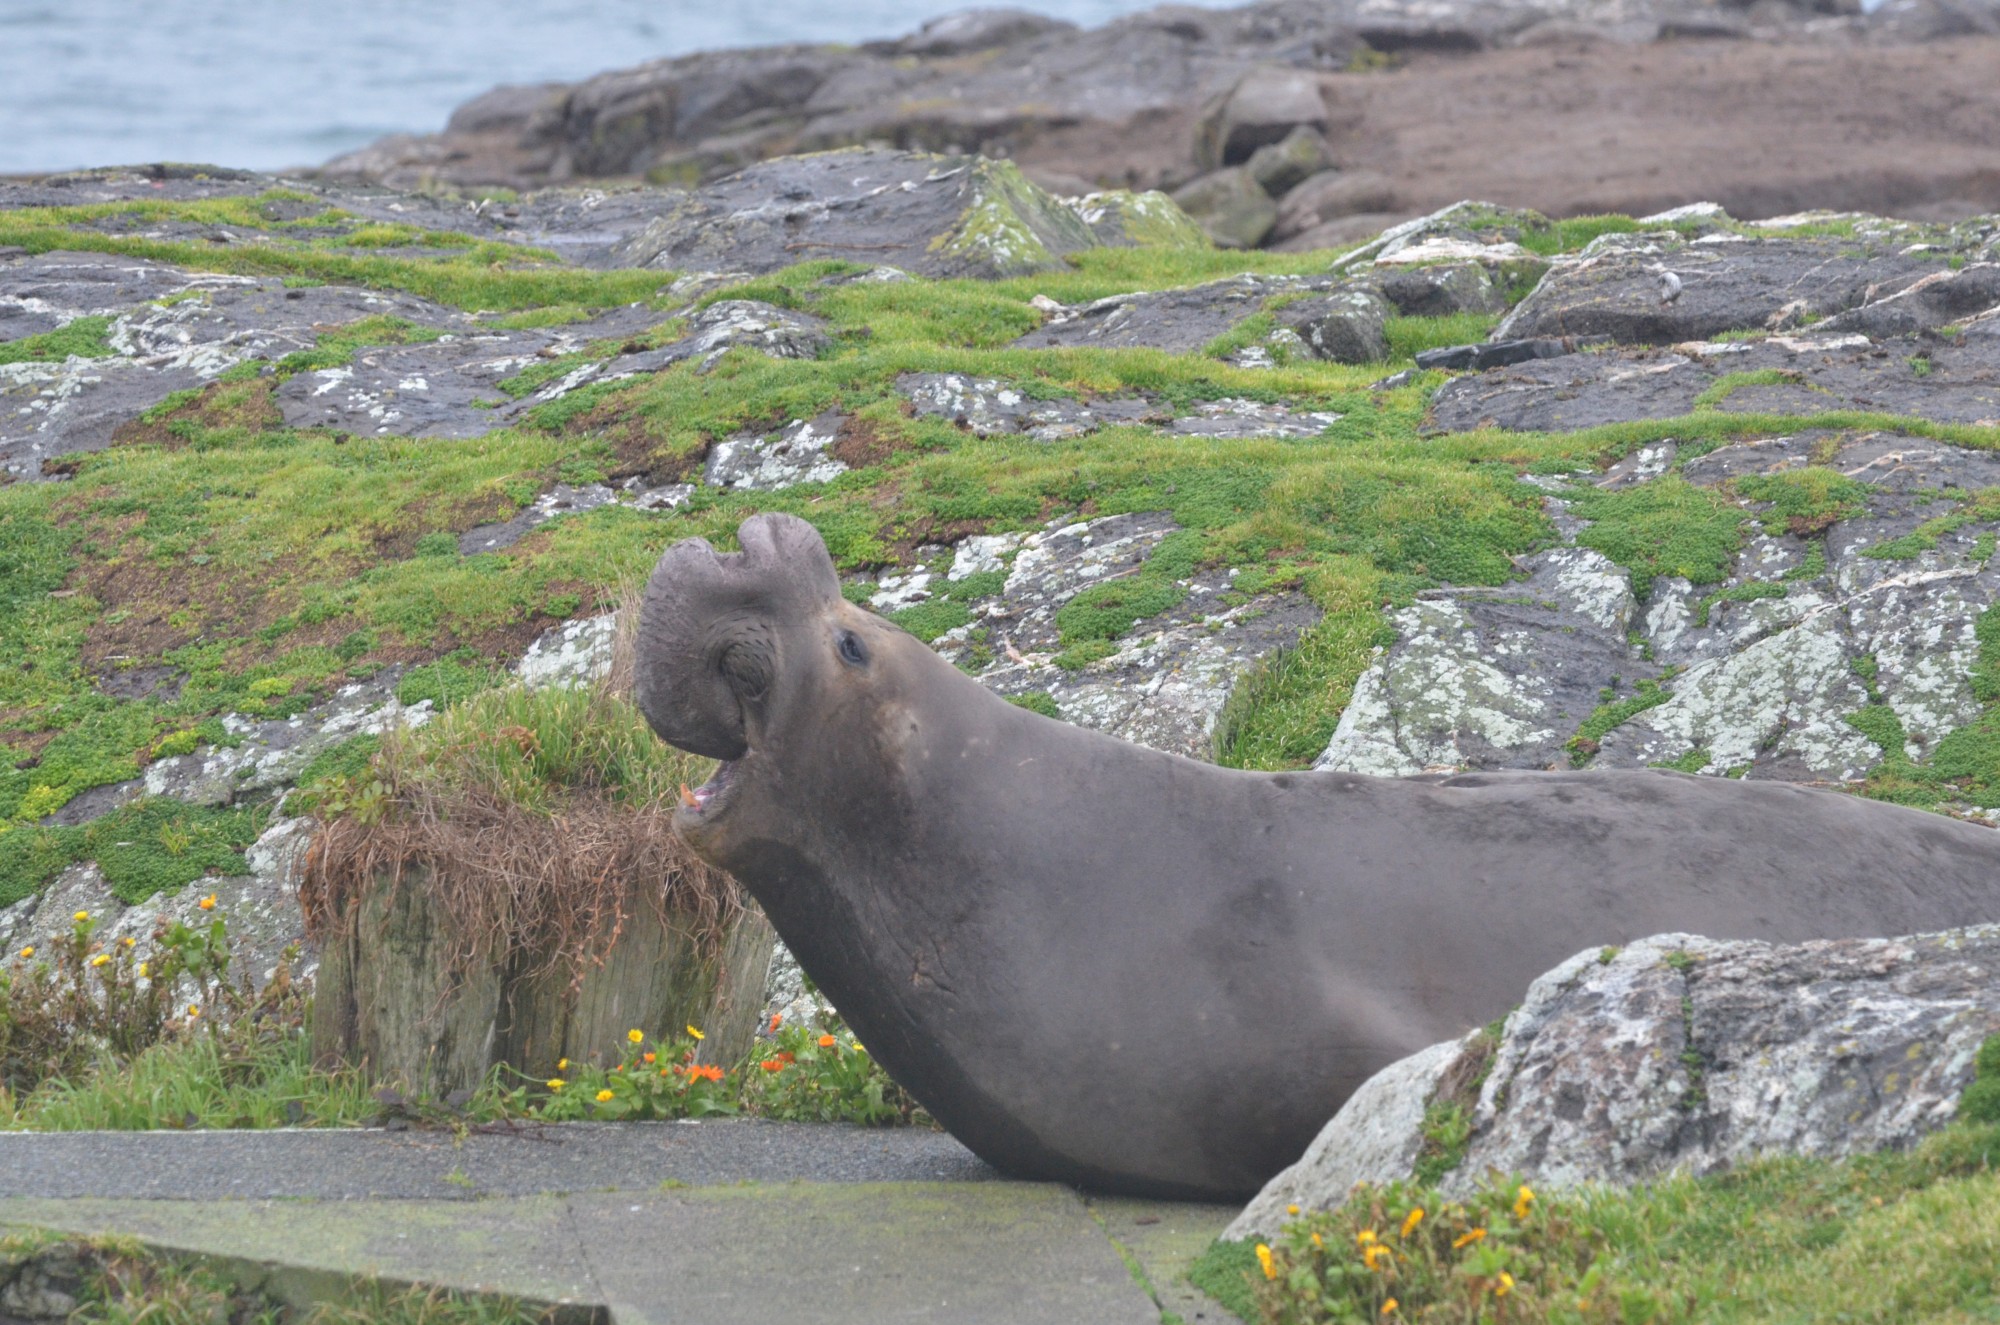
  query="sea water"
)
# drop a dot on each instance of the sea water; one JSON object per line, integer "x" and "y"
{"x": 266, "y": 84}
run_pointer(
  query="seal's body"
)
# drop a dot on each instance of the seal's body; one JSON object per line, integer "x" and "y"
{"x": 1104, "y": 965}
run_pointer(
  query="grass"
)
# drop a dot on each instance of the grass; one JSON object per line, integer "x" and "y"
{"x": 265, "y": 566}
{"x": 1879, "y": 1238}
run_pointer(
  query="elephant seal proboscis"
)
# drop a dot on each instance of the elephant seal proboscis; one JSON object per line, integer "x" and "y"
{"x": 1107, "y": 966}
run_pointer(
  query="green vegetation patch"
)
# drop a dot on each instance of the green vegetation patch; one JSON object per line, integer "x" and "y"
{"x": 1666, "y": 527}
{"x": 156, "y": 845}
{"x": 83, "y": 338}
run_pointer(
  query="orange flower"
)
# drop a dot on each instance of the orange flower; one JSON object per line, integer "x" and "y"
{"x": 647, "y": 1057}
{"x": 1376, "y": 1255}
{"x": 826, "y": 1042}
{"x": 207, "y": 903}
{"x": 1264, "y": 1259}
{"x": 1467, "y": 1239}
{"x": 1410, "y": 1222}
{"x": 1389, "y": 1307}
{"x": 704, "y": 1072}
{"x": 773, "y": 1064}
{"x": 776, "y": 1017}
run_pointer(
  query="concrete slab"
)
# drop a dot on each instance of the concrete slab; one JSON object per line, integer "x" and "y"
{"x": 1163, "y": 1238}
{"x": 309, "y": 1251}
{"x": 360, "y": 1163}
{"x": 1000, "y": 1252}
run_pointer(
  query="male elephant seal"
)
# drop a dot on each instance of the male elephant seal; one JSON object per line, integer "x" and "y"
{"x": 1107, "y": 966}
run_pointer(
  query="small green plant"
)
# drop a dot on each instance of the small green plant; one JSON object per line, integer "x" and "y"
{"x": 811, "y": 1074}
{"x": 1401, "y": 1252}
{"x": 662, "y": 1082}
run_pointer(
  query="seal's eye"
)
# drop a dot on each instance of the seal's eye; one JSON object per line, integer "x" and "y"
{"x": 851, "y": 651}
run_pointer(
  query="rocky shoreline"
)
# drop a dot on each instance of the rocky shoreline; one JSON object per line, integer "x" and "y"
{"x": 1300, "y": 124}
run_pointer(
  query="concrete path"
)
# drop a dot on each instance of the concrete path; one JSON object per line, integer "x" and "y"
{"x": 724, "y": 1221}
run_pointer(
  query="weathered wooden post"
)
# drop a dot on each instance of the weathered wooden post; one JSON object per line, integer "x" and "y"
{"x": 503, "y": 888}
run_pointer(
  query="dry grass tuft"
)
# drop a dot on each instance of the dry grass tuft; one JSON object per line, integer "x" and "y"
{"x": 540, "y": 821}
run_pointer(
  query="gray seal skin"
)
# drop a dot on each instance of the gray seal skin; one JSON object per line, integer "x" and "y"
{"x": 1133, "y": 972}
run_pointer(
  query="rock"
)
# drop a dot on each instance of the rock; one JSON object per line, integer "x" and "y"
{"x": 1727, "y": 283}
{"x": 168, "y": 330}
{"x": 1283, "y": 165}
{"x": 1163, "y": 683}
{"x": 971, "y": 30}
{"x": 1443, "y": 291}
{"x": 795, "y": 454}
{"x": 1344, "y": 326}
{"x": 987, "y": 406}
{"x": 1951, "y": 381}
{"x": 1348, "y": 230}
{"x": 509, "y": 108}
{"x": 1503, "y": 353}
{"x": 930, "y": 215}
{"x": 1263, "y": 107}
{"x": 1235, "y": 417}
{"x": 1121, "y": 218}
{"x": 1376, "y": 1138}
{"x": 1230, "y": 206}
{"x": 1179, "y": 320}
{"x": 1331, "y": 195}
{"x": 1930, "y": 301}
{"x": 47, "y": 1287}
{"x": 1679, "y": 1054}
{"x": 1775, "y": 665}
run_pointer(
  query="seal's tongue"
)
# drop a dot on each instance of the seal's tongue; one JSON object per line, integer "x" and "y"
{"x": 699, "y": 798}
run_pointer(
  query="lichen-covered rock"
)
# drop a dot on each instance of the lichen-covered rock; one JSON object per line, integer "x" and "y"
{"x": 1655, "y": 288}
{"x": 1443, "y": 291}
{"x": 1264, "y": 107}
{"x": 1803, "y": 373}
{"x": 1163, "y": 681}
{"x": 987, "y": 406}
{"x": 1784, "y": 667}
{"x": 1181, "y": 320}
{"x": 1230, "y": 206}
{"x": 796, "y": 453}
{"x": 1343, "y": 326}
{"x": 1121, "y": 218}
{"x": 1285, "y": 164}
{"x": 932, "y": 215}
{"x": 166, "y": 330}
{"x": 1685, "y": 1054}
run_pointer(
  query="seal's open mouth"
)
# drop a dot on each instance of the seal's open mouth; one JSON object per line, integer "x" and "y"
{"x": 709, "y": 795}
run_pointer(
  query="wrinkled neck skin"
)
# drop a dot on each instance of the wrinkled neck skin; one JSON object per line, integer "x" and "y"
{"x": 841, "y": 820}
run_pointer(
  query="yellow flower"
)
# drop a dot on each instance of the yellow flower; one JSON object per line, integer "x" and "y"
{"x": 1522, "y": 1201}
{"x": 127, "y": 942}
{"x": 207, "y": 903}
{"x": 28, "y": 951}
{"x": 100, "y": 959}
{"x": 556, "y": 1083}
{"x": 1365, "y": 1236}
{"x": 1376, "y": 1255}
{"x": 604, "y": 1097}
{"x": 1264, "y": 1259}
{"x": 1411, "y": 1221}
{"x": 635, "y": 1036}
{"x": 142, "y": 969}
{"x": 82, "y": 916}
{"x": 1319, "y": 1242}
{"x": 194, "y": 1010}
{"x": 1389, "y": 1307}
{"x": 1504, "y": 1286}
{"x": 697, "y": 1034}
{"x": 562, "y": 1064}
{"x": 858, "y": 1049}
{"x": 1292, "y": 1209}
{"x": 1467, "y": 1239}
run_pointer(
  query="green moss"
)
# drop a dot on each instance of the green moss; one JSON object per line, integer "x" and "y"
{"x": 157, "y": 845}
{"x": 1804, "y": 501}
{"x": 337, "y": 346}
{"x": 1977, "y": 508}
{"x": 1614, "y": 713}
{"x": 1730, "y": 383}
{"x": 1694, "y": 761}
{"x": 928, "y": 620}
{"x": 1666, "y": 527}
{"x": 1223, "y": 1272}
{"x": 1040, "y": 701}
{"x": 452, "y": 678}
{"x": 83, "y": 337}
{"x": 1737, "y": 593}
{"x": 1980, "y": 1102}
